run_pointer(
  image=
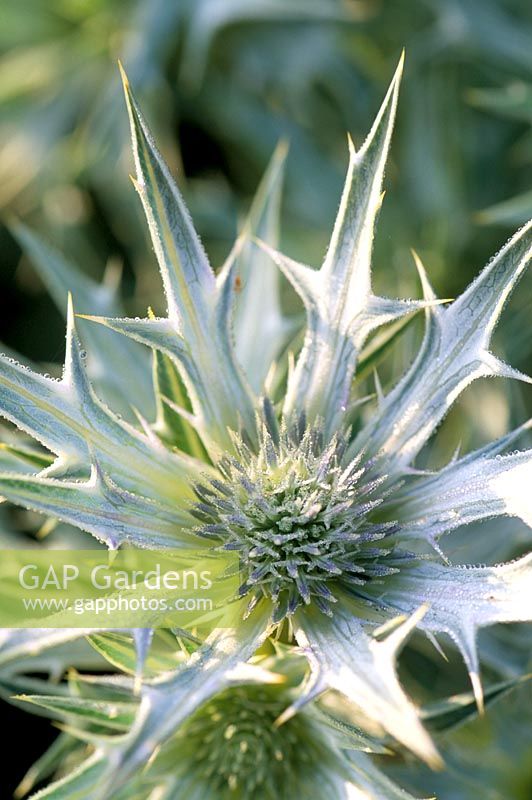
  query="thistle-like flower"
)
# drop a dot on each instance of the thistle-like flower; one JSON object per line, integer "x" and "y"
{"x": 232, "y": 746}
{"x": 336, "y": 531}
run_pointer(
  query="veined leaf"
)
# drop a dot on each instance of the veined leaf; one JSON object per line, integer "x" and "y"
{"x": 482, "y": 484}
{"x": 453, "y": 354}
{"x": 341, "y": 309}
{"x": 197, "y": 331}
{"x": 462, "y": 599}
{"x": 113, "y": 515}
{"x": 363, "y": 669}
{"x": 68, "y": 418}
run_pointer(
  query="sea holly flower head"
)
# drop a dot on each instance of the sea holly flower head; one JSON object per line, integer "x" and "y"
{"x": 298, "y": 519}
{"x": 232, "y": 746}
{"x": 337, "y": 532}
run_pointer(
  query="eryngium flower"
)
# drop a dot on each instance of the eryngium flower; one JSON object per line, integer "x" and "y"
{"x": 337, "y": 532}
{"x": 300, "y": 521}
{"x": 231, "y": 748}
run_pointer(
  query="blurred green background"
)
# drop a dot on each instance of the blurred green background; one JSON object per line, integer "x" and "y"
{"x": 221, "y": 82}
